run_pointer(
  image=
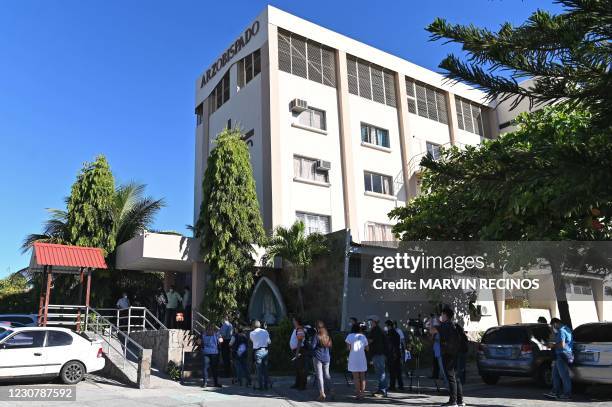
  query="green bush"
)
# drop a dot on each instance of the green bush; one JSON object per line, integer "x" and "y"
{"x": 279, "y": 354}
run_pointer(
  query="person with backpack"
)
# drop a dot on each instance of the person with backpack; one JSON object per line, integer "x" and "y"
{"x": 320, "y": 344}
{"x": 239, "y": 344}
{"x": 450, "y": 344}
{"x": 463, "y": 351}
{"x": 296, "y": 343}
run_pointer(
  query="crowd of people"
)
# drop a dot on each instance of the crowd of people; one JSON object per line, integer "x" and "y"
{"x": 384, "y": 347}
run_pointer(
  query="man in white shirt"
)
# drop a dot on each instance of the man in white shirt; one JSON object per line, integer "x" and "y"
{"x": 261, "y": 340}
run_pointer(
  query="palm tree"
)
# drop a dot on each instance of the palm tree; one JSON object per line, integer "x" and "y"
{"x": 133, "y": 213}
{"x": 294, "y": 246}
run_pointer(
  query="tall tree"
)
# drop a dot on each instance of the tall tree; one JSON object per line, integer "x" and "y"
{"x": 90, "y": 207}
{"x": 568, "y": 55}
{"x": 549, "y": 180}
{"x": 299, "y": 250}
{"x": 229, "y": 224}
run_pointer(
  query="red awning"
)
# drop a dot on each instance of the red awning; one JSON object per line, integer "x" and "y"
{"x": 48, "y": 254}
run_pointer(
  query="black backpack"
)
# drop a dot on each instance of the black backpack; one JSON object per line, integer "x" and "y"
{"x": 463, "y": 339}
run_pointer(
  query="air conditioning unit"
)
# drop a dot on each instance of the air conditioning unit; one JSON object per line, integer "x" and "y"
{"x": 298, "y": 105}
{"x": 323, "y": 165}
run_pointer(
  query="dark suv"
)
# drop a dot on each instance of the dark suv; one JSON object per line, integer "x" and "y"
{"x": 516, "y": 350}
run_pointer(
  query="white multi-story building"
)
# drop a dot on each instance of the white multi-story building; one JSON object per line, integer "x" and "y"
{"x": 336, "y": 128}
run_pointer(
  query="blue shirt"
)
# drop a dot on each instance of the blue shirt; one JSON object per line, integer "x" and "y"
{"x": 226, "y": 330}
{"x": 564, "y": 334}
{"x": 210, "y": 344}
{"x": 436, "y": 346}
{"x": 320, "y": 352}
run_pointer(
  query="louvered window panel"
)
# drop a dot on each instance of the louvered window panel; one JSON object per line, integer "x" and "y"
{"x": 458, "y": 107}
{"x": 411, "y": 96}
{"x": 477, "y": 119}
{"x": 298, "y": 57}
{"x": 315, "y": 72}
{"x": 467, "y": 116}
{"x": 432, "y": 108}
{"x": 421, "y": 100}
{"x": 351, "y": 69}
{"x": 378, "y": 90}
{"x": 390, "y": 89}
{"x": 442, "y": 111}
{"x": 365, "y": 84}
{"x": 484, "y": 116}
{"x": 329, "y": 66}
{"x": 284, "y": 51}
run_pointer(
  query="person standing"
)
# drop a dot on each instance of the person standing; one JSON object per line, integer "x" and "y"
{"x": 174, "y": 300}
{"x": 357, "y": 345}
{"x": 123, "y": 303}
{"x": 187, "y": 308}
{"x": 240, "y": 345}
{"x": 321, "y": 343}
{"x": 160, "y": 304}
{"x": 462, "y": 353}
{"x": 563, "y": 349}
{"x": 227, "y": 330}
{"x": 378, "y": 350}
{"x": 296, "y": 343}
{"x": 394, "y": 356}
{"x": 449, "y": 343}
{"x": 210, "y": 352}
{"x": 261, "y": 340}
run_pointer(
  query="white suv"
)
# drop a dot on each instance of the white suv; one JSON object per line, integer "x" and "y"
{"x": 48, "y": 352}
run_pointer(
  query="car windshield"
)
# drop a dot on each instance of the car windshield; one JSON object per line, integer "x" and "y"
{"x": 505, "y": 336}
{"x": 4, "y": 333}
{"x": 593, "y": 333}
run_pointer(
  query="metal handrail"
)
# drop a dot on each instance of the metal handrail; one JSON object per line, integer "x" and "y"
{"x": 144, "y": 319}
{"x": 195, "y": 321}
{"x": 106, "y": 330}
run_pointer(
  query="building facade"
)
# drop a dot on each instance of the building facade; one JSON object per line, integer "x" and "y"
{"x": 336, "y": 131}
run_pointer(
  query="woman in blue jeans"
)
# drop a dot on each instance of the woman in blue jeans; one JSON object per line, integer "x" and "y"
{"x": 210, "y": 352}
{"x": 320, "y": 344}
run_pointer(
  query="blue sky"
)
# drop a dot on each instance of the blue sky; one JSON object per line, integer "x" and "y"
{"x": 80, "y": 78}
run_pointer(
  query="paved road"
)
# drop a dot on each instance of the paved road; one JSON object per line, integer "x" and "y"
{"x": 98, "y": 392}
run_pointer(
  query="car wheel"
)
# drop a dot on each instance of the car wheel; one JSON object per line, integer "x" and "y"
{"x": 490, "y": 379}
{"x": 545, "y": 375}
{"x": 72, "y": 372}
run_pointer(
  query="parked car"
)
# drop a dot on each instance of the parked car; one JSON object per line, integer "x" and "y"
{"x": 8, "y": 324}
{"x": 592, "y": 354}
{"x": 48, "y": 352}
{"x": 516, "y": 350}
{"x": 25, "y": 319}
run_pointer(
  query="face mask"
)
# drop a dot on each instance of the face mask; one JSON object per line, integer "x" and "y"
{"x": 386, "y": 329}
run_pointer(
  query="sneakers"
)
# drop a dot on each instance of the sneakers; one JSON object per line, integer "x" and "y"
{"x": 563, "y": 397}
{"x": 551, "y": 395}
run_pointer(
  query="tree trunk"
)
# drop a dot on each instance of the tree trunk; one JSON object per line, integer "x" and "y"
{"x": 560, "y": 292}
{"x": 300, "y": 301}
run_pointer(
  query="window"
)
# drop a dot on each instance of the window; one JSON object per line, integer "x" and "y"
{"x": 312, "y": 117}
{"x": 27, "y": 339}
{"x": 433, "y": 150}
{"x": 378, "y": 232}
{"x": 370, "y": 81}
{"x": 593, "y": 333}
{"x": 381, "y": 184}
{"x": 306, "y": 168}
{"x": 220, "y": 94}
{"x": 57, "y": 338}
{"x": 471, "y": 116}
{"x": 248, "y": 68}
{"x": 608, "y": 291}
{"x": 314, "y": 223}
{"x": 306, "y": 58}
{"x": 426, "y": 101}
{"x": 505, "y": 335}
{"x": 199, "y": 114}
{"x": 374, "y": 135}
{"x": 19, "y": 319}
{"x": 354, "y": 268}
